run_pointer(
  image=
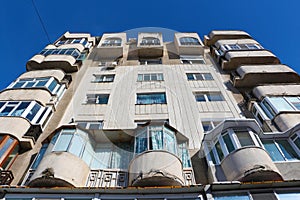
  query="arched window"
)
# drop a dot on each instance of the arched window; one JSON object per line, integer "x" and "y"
{"x": 110, "y": 42}
{"x": 150, "y": 41}
{"x": 189, "y": 41}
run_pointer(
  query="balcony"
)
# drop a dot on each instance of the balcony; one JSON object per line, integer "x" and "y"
{"x": 250, "y": 164}
{"x": 111, "y": 46}
{"x": 214, "y": 36}
{"x": 249, "y": 76}
{"x": 188, "y": 44}
{"x": 233, "y": 59}
{"x": 260, "y": 92}
{"x": 61, "y": 169}
{"x": 147, "y": 170}
{"x": 67, "y": 63}
{"x": 150, "y": 45}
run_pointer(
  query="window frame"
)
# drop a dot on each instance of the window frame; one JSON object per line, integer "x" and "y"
{"x": 152, "y": 101}
{"x": 103, "y": 78}
{"x": 195, "y": 76}
{"x": 95, "y": 99}
{"x": 206, "y": 96}
{"x": 141, "y": 77}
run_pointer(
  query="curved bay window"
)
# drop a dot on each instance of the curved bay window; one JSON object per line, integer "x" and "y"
{"x": 9, "y": 148}
{"x": 189, "y": 41}
{"x": 95, "y": 155}
{"x": 155, "y": 138}
{"x": 49, "y": 83}
{"x": 229, "y": 141}
{"x": 150, "y": 41}
{"x": 112, "y": 42}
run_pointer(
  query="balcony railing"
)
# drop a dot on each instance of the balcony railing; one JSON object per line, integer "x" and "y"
{"x": 6, "y": 177}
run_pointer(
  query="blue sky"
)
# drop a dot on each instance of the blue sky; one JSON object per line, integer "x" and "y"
{"x": 273, "y": 23}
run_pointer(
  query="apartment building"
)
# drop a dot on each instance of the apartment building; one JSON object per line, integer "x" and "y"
{"x": 113, "y": 117}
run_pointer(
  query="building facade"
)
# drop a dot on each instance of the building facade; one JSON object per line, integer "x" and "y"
{"x": 112, "y": 117}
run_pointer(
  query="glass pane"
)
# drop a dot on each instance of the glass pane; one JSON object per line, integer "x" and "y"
{"x": 199, "y": 76}
{"x": 200, "y": 97}
{"x": 63, "y": 142}
{"x": 39, "y": 156}
{"x": 170, "y": 141}
{"x": 280, "y": 104}
{"x": 289, "y": 196}
{"x": 77, "y": 145}
{"x": 103, "y": 156}
{"x": 88, "y": 153}
{"x": 6, "y": 110}
{"x": 297, "y": 142}
{"x": 52, "y": 86}
{"x": 20, "y": 109}
{"x": 207, "y": 126}
{"x": 219, "y": 151}
{"x": 244, "y": 138}
{"x": 231, "y": 197}
{"x": 214, "y": 97}
{"x": 208, "y": 76}
{"x": 33, "y": 112}
{"x": 141, "y": 142}
{"x": 287, "y": 150}
{"x": 140, "y": 77}
{"x": 146, "y": 77}
{"x": 228, "y": 142}
{"x": 156, "y": 139}
{"x": 5, "y": 147}
{"x": 190, "y": 76}
{"x": 272, "y": 150}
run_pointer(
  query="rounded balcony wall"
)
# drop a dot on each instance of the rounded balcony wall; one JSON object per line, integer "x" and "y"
{"x": 61, "y": 169}
{"x": 286, "y": 120}
{"x": 250, "y": 164}
{"x": 56, "y": 73}
{"x": 156, "y": 168}
{"x": 65, "y": 62}
{"x": 8, "y": 126}
{"x": 41, "y": 95}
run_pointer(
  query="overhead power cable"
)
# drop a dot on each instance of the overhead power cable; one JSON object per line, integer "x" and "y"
{"x": 42, "y": 23}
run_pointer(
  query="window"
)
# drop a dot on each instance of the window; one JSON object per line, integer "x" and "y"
{"x": 280, "y": 150}
{"x": 187, "y": 59}
{"x": 150, "y": 61}
{"x": 207, "y": 97}
{"x": 72, "y": 51}
{"x": 104, "y": 78}
{"x": 275, "y": 105}
{"x": 45, "y": 82}
{"x": 189, "y": 41}
{"x": 91, "y": 125}
{"x": 237, "y": 47}
{"x": 155, "y": 138}
{"x": 199, "y": 76}
{"x": 97, "y": 156}
{"x": 150, "y": 41}
{"x": 229, "y": 141}
{"x": 288, "y": 195}
{"x": 236, "y": 196}
{"x": 151, "y": 77}
{"x": 9, "y": 150}
{"x": 151, "y": 98}
{"x": 82, "y": 41}
{"x": 97, "y": 98}
{"x": 110, "y": 42}
{"x": 209, "y": 125}
{"x": 296, "y": 140}
{"x": 31, "y": 110}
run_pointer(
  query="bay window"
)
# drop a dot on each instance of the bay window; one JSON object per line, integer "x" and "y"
{"x": 30, "y": 110}
{"x": 151, "y": 98}
{"x": 43, "y": 82}
{"x": 275, "y": 105}
{"x": 97, "y": 156}
{"x": 280, "y": 150}
{"x": 229, "y": 141}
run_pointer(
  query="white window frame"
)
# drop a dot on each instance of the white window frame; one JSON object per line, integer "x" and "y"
{"x": 205, "y": 95}
{"x": 141, "y": 77}
{"x": 202, "y": 74}
{"x": 104, "y": 78}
